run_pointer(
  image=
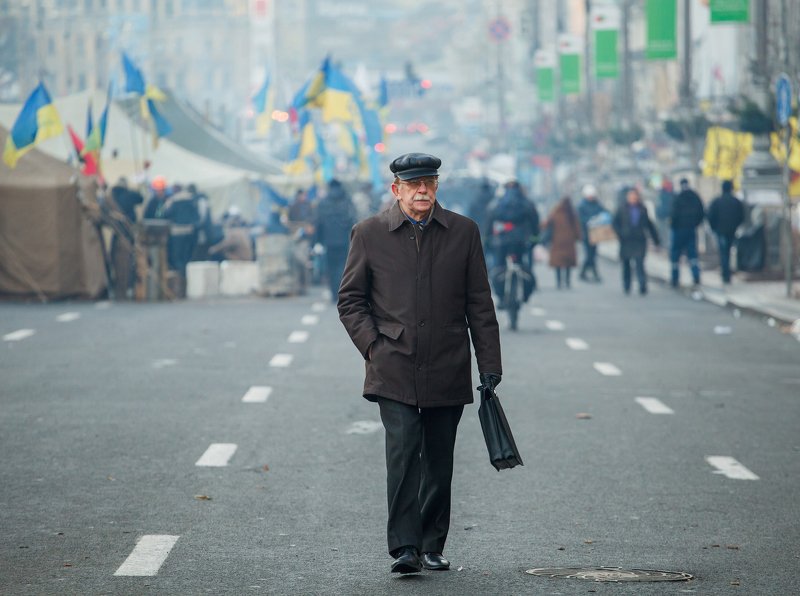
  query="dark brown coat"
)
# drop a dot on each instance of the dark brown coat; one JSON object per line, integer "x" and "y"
{"x": 418, "y": 308}
{"x": 565, "y": 229}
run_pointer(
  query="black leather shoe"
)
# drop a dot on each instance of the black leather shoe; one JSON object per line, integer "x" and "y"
{"x": 407, "y": 561}
{"x": 435, "y": 562}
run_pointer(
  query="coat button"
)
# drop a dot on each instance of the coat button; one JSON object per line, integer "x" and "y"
{"x": 411, "y": 237}
{"x": 422, "y": 323}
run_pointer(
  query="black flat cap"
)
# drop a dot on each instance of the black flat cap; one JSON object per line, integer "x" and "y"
{"x": 415, "y": 165}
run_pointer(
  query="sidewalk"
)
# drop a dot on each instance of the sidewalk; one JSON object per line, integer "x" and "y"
{"x": 767, "y": 298}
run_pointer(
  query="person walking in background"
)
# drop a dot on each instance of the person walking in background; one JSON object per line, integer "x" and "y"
{"x": 336, "y": 216}
{"x": 687, "y": 213}
{"x": 564, "y": 232}
{"x": 588, "y": 208}
{"x": 666, "y": 196}
{"x": 512, "y": 224}
{"x": 414, "y": 292}
{"x": 632, "y": 224}
{"x": 724, "y": 216}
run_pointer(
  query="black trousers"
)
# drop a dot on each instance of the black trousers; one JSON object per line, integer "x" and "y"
{"x": 419, "y": 472}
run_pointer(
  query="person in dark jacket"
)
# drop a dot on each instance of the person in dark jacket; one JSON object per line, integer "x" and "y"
{"x": 687, "y": 214}
{"x": 632, "y": 224}
{"x": 512, "y": 226}
{"x": 336, "y": 216}
{"x": 181, "y": 211}
{"x": 414, "y": 292}
{"x": 724, "y": 216}
{"x": 588, "y": 208}
{"x": 122, "y": 243}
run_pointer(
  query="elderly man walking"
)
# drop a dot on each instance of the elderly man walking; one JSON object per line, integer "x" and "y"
{"x": 414, "y": 290}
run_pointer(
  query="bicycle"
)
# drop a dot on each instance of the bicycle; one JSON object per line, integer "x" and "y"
{"x": 515, "y": 280}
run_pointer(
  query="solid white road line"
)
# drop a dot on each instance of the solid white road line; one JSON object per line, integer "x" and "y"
{"x": 554, "y": 325}
{"x": 654, "y": 406}
{"x": 103, "y": 304}
{"x": 18, "y": 335}
{"x": 318, "y": 307}
{"x": 728, "y": 466}
{"x": 298, "y": 337}
{"x": 257, "y": 395}
{"x": 148, "y": 555}
{"x": 607, "y": 369}
{"x": 576, "y": 343}
{"x": 217, "y": 455}
{"x": 68, "y": 317}
{"x": 309, "y": 320}
{"x": 538, "y": 312}
{"x": 281, "y": 360}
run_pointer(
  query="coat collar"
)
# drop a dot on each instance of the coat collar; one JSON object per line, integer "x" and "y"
{"x": 397, "y": 218}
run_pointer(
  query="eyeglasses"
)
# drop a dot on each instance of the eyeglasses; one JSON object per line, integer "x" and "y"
{"x": 430, "y": 182}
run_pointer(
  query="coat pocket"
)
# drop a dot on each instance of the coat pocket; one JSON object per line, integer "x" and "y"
{"x": 390, "y": 330}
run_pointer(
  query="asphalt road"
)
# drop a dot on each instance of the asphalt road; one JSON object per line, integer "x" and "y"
{"x": 105, "y": 416}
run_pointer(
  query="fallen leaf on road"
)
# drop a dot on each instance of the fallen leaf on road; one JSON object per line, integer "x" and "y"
{"x": 265, "y": 467}
{"x": 588, "y": 541}
{"x": 561, "y": 548}
{"x": 732, "y": 546}
{"x": 736, "y": 583}
{"x": 583, "y": 416}
{"x": 202, "y": 497}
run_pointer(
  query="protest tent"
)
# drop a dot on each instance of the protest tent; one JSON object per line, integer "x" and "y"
{"x": 49, "y": 249}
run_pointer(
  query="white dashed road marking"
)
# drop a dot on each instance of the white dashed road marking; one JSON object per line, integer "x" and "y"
{"x": 18, "y": 335}
{"x": 538, "y": 312}
{"x": 654, "y": 406}
{"x": 554, "y": 325}
{"x": 309, "y": 320}
{"x": 102, "y": 305}
{"x": 257, "y": 395}
{"x": 298, "y": 337}
{"x": 575, "y": 343}
{"x": 281, "y": 360}
{"x": 68, "y": 317}
{"x": 364, "y": 427}
{"x": 148, "y": 555}
{"x": 607, "y": 369}
{"x": 318, "y": 306}
{"x": 217, "y": 455}
{"x": 164, "y": 362}
{"x": 728, "y": 466}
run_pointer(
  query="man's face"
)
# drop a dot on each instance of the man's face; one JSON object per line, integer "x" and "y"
{"x": 417, "y": 196}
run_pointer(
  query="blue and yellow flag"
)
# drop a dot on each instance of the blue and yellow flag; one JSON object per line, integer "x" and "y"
{"x": 263, "y": 104}
{"x": 37, "y": 121}
{"x": 134, "y": 80}
{"x": 330, "y": 90}
{"x": 159, "y": 126}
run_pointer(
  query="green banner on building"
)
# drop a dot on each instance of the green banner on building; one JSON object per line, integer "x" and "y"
{"x": 544, "y": 64}
{"x": 661, "y": 30}
{"x": 605, "y": 22}
{"x": 544, "y": 84}
{"x": 606, "y": 60}
{"x": 569, "y": 64}
{"x": 730, "y": 11}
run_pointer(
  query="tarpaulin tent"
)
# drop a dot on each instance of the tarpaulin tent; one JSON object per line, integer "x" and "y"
{"x": 48, "y": 248}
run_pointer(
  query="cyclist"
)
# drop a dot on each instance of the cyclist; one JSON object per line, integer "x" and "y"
{"x": 512, "y": 228}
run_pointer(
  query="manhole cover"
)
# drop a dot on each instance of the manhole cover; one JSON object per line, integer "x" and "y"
{"x": 611, "y": 574}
